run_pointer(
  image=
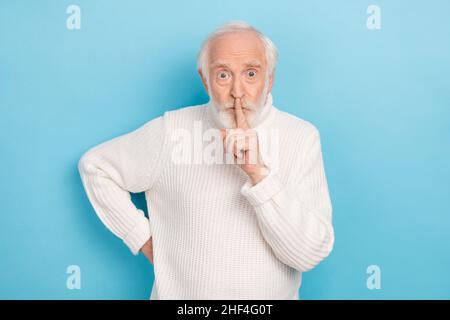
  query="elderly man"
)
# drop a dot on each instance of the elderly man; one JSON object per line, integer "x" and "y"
{"x": 239, "y": 229}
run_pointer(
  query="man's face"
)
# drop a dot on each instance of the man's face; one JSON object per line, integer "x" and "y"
{"x": 238, "y": 69}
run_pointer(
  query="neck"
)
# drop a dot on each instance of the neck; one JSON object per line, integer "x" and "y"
{"x": 263, "y": 115}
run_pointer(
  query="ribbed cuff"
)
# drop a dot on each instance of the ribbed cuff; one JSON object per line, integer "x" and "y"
{"x": 263, "y": 190}
{"x": 139, "y": 235}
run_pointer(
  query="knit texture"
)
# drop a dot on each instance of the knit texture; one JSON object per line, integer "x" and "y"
{"x": 215, "y": 235}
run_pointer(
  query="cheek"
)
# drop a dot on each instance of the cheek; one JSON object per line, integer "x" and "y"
{"x": 255, "y": 89}
{"x": 220, "y": 92}
{"x": 256, "y": 84}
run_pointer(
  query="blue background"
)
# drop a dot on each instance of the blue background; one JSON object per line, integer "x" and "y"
{"x": 380, "y": 99}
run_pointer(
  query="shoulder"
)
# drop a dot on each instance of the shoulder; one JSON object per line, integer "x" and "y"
{"x": 297, "y": 127}
{"x": 184, "y": 115}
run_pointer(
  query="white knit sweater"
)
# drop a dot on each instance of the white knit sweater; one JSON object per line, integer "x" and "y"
{"x": 215, "y": 235}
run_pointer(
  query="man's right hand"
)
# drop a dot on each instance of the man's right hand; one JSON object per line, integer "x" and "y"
{"x": 147, "y": 250}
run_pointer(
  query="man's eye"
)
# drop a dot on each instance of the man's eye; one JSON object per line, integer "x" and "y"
{"x": 222, "y": 75}
{"x": 251, "y": 73}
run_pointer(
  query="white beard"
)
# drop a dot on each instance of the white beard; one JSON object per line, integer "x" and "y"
{"x": 227, "y": 118}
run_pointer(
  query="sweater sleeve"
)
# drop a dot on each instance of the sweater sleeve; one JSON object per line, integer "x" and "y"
{"x": 295, "y": 219}
{"x": 113, "y": 169}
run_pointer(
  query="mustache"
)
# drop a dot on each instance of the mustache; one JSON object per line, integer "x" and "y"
{"x": 245, "y": 105}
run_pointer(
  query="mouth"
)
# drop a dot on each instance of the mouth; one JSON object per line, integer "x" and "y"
{"x": 243, "y": 108}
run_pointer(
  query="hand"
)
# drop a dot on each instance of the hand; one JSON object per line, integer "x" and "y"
{"x": 242, "y": 142}
{"x": 147, "y": 250}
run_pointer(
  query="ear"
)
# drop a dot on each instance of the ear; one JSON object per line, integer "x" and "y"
{"x": 205, "y": 83}
{"x": 272, "y": 76}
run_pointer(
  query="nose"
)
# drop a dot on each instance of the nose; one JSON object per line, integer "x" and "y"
{"x": 236, "y": 89}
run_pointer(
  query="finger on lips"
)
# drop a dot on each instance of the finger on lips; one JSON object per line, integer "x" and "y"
{"x": 241, "y": 120}
{"x": 236, "y": 140}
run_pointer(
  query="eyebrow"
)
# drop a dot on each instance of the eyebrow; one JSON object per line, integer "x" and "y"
{"x": 253, "y": 63}
{"x": 219, "y": 64}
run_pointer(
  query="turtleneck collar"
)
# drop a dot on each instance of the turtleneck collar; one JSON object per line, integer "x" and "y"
{"x": 264, "y": 118}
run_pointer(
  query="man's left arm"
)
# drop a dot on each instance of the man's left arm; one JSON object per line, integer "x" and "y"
{"x": 296, "y": 219}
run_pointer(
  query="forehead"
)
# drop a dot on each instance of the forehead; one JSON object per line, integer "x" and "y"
{"x": 237, "y": 48}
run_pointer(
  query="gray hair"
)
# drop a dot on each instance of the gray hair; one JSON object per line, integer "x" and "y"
{"x": 233, "y": 27}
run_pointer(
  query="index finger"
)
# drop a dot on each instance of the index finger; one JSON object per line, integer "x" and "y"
{"x": 241, "y": 120}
